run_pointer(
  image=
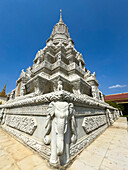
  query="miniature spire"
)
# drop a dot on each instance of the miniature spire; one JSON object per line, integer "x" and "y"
{"x": 3, "y": 94}
{"x": 60, "y": 21}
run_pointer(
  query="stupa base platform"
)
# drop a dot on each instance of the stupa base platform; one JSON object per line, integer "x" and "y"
{"x": 30, "y": 120}
{"x": 101, "y": 154}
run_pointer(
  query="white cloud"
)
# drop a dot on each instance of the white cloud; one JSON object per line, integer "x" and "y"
{"x": 117, "y": 86}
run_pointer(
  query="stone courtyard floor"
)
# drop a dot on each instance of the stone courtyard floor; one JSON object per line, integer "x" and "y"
{"x": 108, "y": 152}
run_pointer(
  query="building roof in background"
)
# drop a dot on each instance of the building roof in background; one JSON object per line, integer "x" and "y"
{"x": 119, "y": 98}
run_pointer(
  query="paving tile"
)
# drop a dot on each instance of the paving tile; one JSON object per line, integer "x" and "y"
{"x": 18, "y": 151}
{"x": 7, "y": 143}
{"x": 2, "y": 153}
{"x": 112, "y": 165}
{"x": 11, "y": 167}
{"x": 4, "y": 140}
{"x": 0, "y": 147}
{"x": 116, "y": 149}
{"x": 98, "y": 150}
{"x": 104, "y": 168}
{"x": 42, "y": 167}
{"x": 117, "y": 157}
{"x": 5, "y": 161}
{"x": 30, "y": 162}
{"x": 79, "y": 165}
{"x": 91, "y": 158}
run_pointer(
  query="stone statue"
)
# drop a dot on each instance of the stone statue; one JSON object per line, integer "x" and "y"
{"x": 61, "y": 124}
{"x": 109, "y": 117}
{"x": 12, "y": 95}
{"x": 115, "y": 115}
{"x": 94, "y": 74}
{"x": 118, "y": 114}
{"x": 102, "y": 97}
{"x": 23, "y": 90}
{"x": 60, "y": 86}
{"x": 94, "y": 92}
{"x": 38, "y": 61}
{"x": 2, "y": 117}
{"x": 29, "y": 72}
{"x": 76, "y": 89}
{"x": 87, "y": 74}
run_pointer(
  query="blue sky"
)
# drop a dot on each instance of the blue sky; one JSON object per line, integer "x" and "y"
{"x": 99, "y": 29}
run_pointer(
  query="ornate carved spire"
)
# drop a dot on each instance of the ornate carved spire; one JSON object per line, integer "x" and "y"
{"x": 60, "y": 21}
{"x": 59, "y": 32}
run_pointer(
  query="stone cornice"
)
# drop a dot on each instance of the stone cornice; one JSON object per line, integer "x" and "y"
{"x": 56, "y": 96}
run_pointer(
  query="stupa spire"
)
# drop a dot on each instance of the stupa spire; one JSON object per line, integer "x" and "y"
{"x": 60, "y": 21}
{"x": 59, "y": 32}
{"x": 2, "y": 93}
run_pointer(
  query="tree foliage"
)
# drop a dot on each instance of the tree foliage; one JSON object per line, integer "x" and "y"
{"x": 118, "y": 106}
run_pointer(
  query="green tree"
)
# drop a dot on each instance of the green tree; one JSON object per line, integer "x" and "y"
{"x": 118, "y": 106}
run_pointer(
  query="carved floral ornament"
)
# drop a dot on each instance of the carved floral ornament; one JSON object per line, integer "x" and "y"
{"x": 60, "y": 130}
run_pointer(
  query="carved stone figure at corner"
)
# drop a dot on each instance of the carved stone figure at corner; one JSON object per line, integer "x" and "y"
{"x": 118, "y": 114}
{"x": 60, "y": 131}
{"x": 2, "y": 117}
{"x": 23, "y": 90}
{"x": 12, "y": 95}
{"x": 109, "y": 117}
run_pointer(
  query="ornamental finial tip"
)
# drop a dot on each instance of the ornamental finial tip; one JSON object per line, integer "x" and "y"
{"x": 60, "y": 16}
{"x": 60, "y": 13}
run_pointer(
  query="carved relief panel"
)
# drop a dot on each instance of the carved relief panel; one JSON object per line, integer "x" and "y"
{"x": 93, "y": 122}
{"x": 22, "y": 123}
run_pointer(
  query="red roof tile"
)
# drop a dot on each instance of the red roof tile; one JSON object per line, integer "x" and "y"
{"x": 116, "y": 97}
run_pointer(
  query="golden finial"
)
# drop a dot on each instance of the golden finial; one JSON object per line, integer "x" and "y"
{"x": 60, "y": 16}
{"x": 3, "y": 94}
